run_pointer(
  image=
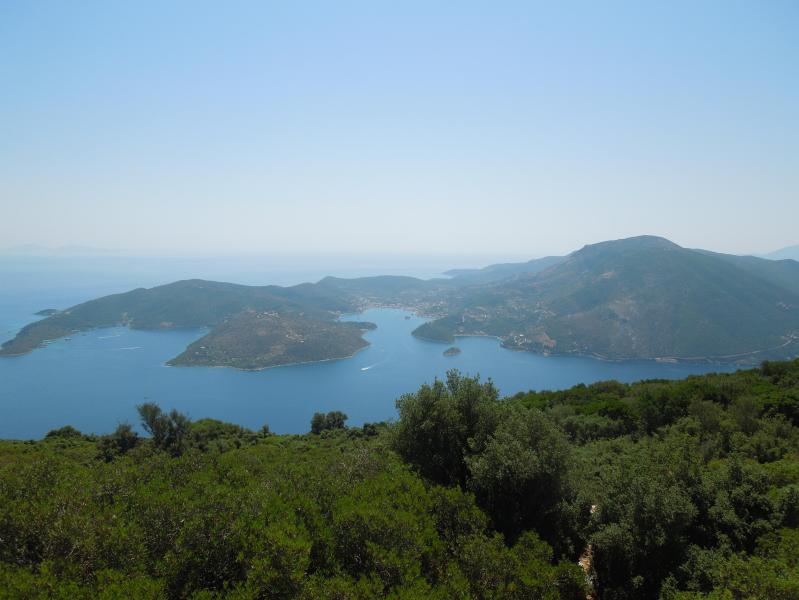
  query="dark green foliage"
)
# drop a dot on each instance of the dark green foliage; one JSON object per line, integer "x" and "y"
{"x": 441, "y": 424}
{"x": 516, "y": 461}
{"x": 283, "y": 517}
{"x": 675, "y": 469}
{"x": 771, "y": 572}
{"x": 642, "y": 522}
{"x": 67, "y": 432}
{"x": 335, "y": 420}
{"x": 523, "y": 478}
{"x": 327, "y": 422}
{"x": 120, "y": 442}
{"x": 169, "y": 431}
{"x": 369, "y": 429}
{"x": 317, "y": 423}
{"x": 210, "y": 434}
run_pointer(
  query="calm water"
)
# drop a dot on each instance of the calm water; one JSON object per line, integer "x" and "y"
{"x": 94, "y": 380}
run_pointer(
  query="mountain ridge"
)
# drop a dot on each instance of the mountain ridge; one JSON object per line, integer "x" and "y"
{"x": 789, "y": 252}
{"x": 641, "y": 297}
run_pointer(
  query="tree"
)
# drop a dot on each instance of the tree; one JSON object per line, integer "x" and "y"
{"x": 442, "y": 423}
{"x": 66, "y": 432}
{"x": 169, "y": 431}
{"x": 120, "y": 442}
{"x": 323, "y": 422}
{"x": 644, "y": 518}
{"x": 178, "y": 428}
{"x": 335, "y": 420}
{"x": 154, "y": 422}
{"x": 522, "y": 478}
{"x": 317, "y": 423}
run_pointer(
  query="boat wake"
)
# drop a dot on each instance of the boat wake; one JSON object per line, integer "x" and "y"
{"x": 372, "y": 366}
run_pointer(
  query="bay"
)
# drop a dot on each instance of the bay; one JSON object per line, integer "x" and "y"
{"x": 94, "y": 380}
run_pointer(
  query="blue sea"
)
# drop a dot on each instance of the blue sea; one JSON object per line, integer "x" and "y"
{"x": 94, "y": 380}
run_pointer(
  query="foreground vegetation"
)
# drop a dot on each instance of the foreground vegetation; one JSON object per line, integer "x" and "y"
{"x": 679, "y": 490}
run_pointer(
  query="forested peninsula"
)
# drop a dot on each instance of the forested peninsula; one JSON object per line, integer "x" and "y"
{"x": 679, "y": 490}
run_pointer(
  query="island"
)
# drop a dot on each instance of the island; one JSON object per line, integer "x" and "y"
{"x": 47, "y": 312}
{"x": 254, "y": 341}
{"x": 642, "y": 298}
{"x": 452, "y": 351}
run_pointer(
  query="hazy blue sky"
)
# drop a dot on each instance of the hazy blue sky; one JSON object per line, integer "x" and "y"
{"x": 515, "y": 128}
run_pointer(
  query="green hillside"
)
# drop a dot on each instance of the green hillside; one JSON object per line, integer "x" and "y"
{"x": 639, "y": 298}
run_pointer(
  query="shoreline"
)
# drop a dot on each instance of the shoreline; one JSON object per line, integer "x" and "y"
{"x": 662, "y": 360}
{"x": 257, "y": 369}
{"x": 724, "y": 360}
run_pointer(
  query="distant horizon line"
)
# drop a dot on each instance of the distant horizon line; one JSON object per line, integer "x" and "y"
{"x": 82, "y": 251}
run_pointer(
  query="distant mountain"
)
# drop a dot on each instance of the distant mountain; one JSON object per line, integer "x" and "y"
{"x": 504, "y": 270}
{"x": 637, "y": 298}
{"x": 791, "y": 252}
{"x": 641, "y": 297}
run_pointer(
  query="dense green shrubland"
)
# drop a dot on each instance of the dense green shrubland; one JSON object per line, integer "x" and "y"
{"x": 679, "y": 490}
